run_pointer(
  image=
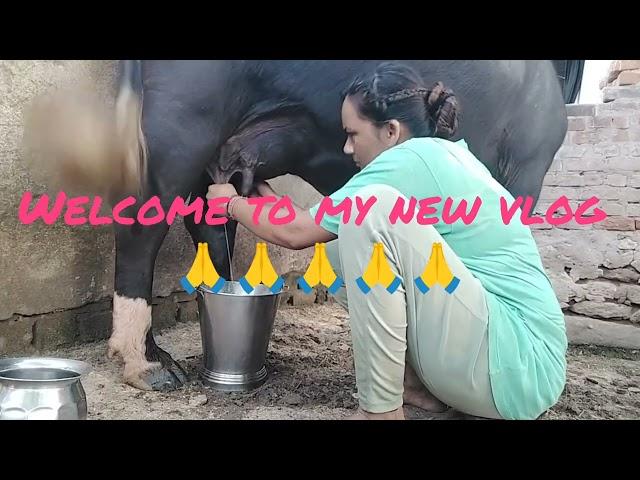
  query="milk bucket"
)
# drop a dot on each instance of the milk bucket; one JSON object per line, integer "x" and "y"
{"x": 236, "y": 328}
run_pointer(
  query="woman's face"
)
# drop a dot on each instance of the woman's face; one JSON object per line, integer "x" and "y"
{"x": 365, "y": 140}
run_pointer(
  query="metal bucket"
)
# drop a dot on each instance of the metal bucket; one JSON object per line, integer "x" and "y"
{"x": 236, "y": 328}
{"x": 42, "y": 389}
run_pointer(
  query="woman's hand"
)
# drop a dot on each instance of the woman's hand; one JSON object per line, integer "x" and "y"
{"x": 300, "y": 233}
{"x": 218, "y": 190}
{"x": 265, "y": 190}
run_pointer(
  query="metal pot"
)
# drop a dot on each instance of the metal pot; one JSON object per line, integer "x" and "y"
{"x": 42, "y": 389}
{"x": 236, "y": 328}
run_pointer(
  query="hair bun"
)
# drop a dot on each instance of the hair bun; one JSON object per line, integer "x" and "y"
{"x": 443, "y": 108}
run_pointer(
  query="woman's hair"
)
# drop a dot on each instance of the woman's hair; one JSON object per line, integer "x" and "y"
{"x": 396, "y": 91}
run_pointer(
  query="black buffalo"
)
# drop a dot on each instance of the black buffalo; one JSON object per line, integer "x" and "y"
{"x": 179, "y": 124}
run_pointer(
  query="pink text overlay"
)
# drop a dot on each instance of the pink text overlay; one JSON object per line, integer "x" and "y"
{"x": 84, "y": 210}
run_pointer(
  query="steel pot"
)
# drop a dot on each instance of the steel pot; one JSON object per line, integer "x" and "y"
{"x": 42, "y": 389}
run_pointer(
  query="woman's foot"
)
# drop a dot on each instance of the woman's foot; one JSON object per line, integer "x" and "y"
{"x": 397, "y": 414}
{"x": 422, "y": 399}
{"x": 416, "y": 394}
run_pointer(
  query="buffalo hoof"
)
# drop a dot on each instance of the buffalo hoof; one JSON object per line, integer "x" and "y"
{"x": 171, "y": 376}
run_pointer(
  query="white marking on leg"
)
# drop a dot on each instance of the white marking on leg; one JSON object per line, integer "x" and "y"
{"x": 131, "y": 322}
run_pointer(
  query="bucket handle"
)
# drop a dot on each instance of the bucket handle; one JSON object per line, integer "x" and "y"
{"x": 285, "y": 288}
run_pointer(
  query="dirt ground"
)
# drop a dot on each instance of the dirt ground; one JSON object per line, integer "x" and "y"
{"x": 311, "y": 377}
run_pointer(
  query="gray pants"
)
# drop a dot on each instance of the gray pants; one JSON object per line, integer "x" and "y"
{"x": 442, "y": 335}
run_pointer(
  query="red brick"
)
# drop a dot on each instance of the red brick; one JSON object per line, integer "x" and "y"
{"x": 579, "y": 138}
{"x": 616, "y": 223}
{"x": 603, "y": 121}
{"x": 629, "y": 78}
{"x": 541, "y": 226}
{"x": 575, "y": 124}
{"x": 614, "y": 70}
{"x": 629, "y": 64}
{"x": 618, "y": 66}
{"x": 612, "y": 121}
{"x": 573, "y": 225}
{"x": 606, "y": 135}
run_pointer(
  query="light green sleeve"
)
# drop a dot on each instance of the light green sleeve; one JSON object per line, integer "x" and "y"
{"x": 332, "y": 222}
{"x": 389, "y": 168}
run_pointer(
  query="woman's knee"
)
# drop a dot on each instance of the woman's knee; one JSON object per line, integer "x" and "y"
{"x": 370, "y": 224}
{"x": 332, "y": 250}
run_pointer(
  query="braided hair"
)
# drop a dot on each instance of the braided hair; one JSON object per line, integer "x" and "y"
{"x": 396, "y": 91}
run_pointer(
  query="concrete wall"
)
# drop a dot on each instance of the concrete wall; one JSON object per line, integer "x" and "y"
{"x": 57, "y": 281}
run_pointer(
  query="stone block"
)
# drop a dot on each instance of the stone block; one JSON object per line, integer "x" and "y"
{"x": 71, "y": 327}
{"x": 607, "y": 150}
{"x": 625, "y": 274}
{"x": 188, "y": 312}
{"x": 613, "y": 258}
{"x": 600, "y": 288}
{"x": 613, "y": 208}
{"x": 627, "y": 78}
{"x": 588, "y": 331}
{"x": 572, "y": 151}
{"x": 627, "y": 65}
{"x": 623, "y": 163}
{"x": 586, "y": 272}
{"x": 601, "y": 309}
{"x": 16, "y": 336}
{"x": 592, "y": 179}
{"x": 627, "y": 243}
{"x": 611, "y": 94}
{"x": 580, "y": 110}
{"x": 633, "y": 294}
{"x": 565, "y": 180}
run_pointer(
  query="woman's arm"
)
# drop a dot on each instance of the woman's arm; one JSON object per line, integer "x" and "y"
{"x": 298, "y": 234}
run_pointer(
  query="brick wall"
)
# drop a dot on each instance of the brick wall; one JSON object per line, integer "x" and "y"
{"x": 595, "y": 269}
{"x": 621, "y": 73}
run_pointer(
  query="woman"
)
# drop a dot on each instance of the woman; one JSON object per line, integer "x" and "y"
{"x": 482, "y": 331}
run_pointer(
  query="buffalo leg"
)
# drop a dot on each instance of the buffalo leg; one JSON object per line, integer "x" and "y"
{"x": 178, "y": 153}
{"x": 146, "y": 366}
